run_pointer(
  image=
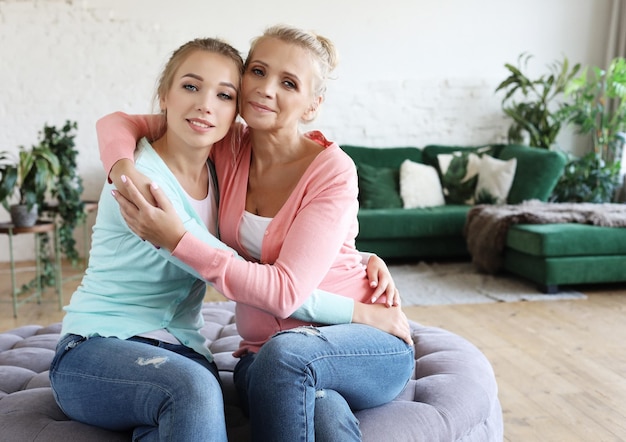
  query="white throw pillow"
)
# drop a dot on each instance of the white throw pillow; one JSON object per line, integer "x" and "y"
{"x": 419, "y": 185}
{"x": 494, "y": 180}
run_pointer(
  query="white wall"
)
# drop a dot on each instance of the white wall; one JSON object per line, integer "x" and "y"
{"x": 412, "y": 72}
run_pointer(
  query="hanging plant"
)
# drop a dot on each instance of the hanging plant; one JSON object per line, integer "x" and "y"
{"x": 68, "y": 189}
{"x": 65, "y": 205}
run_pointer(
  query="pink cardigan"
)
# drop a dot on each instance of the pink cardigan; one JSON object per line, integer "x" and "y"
{"x": 309, "y": 244}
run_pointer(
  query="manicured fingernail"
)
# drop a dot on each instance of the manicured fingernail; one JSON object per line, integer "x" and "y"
{"x": 114, "y": 193}
{"x": 155, "y": 186}
{"x": 374, "y": 299}
{"x": 123, "y": 178}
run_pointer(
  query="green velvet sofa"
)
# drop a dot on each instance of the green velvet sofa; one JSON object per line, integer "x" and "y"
{"x": 437, "y": 232}
{"x": 551, "y": 255}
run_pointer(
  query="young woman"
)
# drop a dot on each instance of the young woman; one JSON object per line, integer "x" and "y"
{"x": 131, "y": 355}
{"x": 289, "y": 200}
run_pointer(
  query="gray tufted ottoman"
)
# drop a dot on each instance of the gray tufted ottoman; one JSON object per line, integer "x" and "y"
{"x": 452, "y": 397}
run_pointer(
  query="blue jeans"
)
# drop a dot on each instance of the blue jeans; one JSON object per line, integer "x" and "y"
{"x": 159, "y": 391}
{"x": 304, "y": 383}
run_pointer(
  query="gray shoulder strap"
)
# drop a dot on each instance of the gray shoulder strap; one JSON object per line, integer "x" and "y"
{"x": 217, "y": 191}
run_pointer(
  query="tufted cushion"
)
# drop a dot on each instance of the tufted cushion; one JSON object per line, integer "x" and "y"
{"x": 453, "y": 394}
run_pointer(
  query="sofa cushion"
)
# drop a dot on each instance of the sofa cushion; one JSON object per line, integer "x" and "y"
{"x": 537, "y": 172}
{"x": 473, "y": 176}
{"x": 378, "y": 187}
{"x": 494, "y": 180}
{"x": 567, "y": 239}
{"x": 419, "y": 186}
{"x": 425, "y": 222}
{"x": 383, "y": 156}
{"x": 549, "y": 273}
{"x": 459, "y": 175}
{"x": 431, "y": 151}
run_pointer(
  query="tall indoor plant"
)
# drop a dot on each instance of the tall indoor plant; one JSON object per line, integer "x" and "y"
{"x": 532, "y": 104}
{"x": 597, "y": 107}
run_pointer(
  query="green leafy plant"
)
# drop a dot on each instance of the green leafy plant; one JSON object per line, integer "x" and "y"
{"x": 30, "y": 176}
{"x": 586, "y": 179}
{"x": 60, "y": 198}
{"x": 68, "y": 189}
{"x": 598, "y": 107}
{"x": 531, "y": 104}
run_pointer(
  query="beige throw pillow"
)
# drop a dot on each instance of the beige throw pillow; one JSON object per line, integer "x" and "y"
{"x": 494, "y": 180}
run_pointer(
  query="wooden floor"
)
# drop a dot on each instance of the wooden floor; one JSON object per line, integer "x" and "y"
{"x": 560, "y": 366}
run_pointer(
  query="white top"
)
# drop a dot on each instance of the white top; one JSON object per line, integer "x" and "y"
{"x": 251, "y": 232}
{"x": 207, "y": 207}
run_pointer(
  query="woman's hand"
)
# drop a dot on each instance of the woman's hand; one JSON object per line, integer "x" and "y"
{"x": 160, "y": 225}
{"x": 388, "y": 319}
{"x": 382, "y": 282}
{"x": 126, "y": 167}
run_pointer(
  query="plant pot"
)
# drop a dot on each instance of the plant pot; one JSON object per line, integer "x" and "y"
{"x": 22, "y": 217}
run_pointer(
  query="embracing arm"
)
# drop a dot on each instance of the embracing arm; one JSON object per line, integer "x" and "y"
{"x": 161, "y": 225}
{"x": 117, "y": 136}
{"x": 302, "y": 250}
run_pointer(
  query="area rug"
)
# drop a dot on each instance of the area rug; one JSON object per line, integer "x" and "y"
{"x": 460, "y": 283}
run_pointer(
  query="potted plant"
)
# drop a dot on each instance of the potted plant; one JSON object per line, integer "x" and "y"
{"x": 30, "y": 177}
{"x": 531, "y": 103}
{"x": 64, "y": 204}
{"x": 597, "y": 108}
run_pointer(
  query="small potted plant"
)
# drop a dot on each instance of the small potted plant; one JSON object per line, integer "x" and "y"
{"x": 30, "y": 177}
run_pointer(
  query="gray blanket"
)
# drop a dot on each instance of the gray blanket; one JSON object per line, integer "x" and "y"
{"x": 486, "y": 226}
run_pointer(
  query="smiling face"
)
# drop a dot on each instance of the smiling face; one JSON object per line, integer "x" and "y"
{"x": 201, "y": 102}
{"x": 277, "y": 85}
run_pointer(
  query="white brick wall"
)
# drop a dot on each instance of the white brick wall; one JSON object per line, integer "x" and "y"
{"x": 412, "y": 72}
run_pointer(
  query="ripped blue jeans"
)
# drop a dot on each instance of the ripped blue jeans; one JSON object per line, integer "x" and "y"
{"x": 159, "y": 391}
{"x": 305, "y": 383}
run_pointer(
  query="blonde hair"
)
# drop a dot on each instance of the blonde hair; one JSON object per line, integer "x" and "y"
{"x": 213, "y": 45}
{"x": 321, "y": 48}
